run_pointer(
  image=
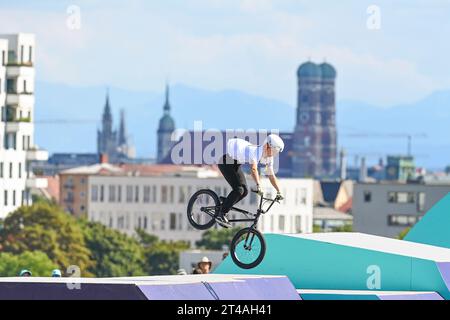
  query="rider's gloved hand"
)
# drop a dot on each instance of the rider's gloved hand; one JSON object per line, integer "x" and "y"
{"x": 279, "y": 196}
{"x": 258, "y": 190}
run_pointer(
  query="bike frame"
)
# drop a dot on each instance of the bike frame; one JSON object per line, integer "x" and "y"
{"x": 256, "y": 215}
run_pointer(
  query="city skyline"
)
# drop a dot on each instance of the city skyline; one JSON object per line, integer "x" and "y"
{"x": 253, "y": 46}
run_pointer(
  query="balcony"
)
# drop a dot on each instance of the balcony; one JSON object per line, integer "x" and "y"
{"x": 37, "y": 155}
{"x": 16, "y": 126}
{"x": 14, "y": 70}
{"x": 35, "y": 182}
{"x": 20, "y": 99}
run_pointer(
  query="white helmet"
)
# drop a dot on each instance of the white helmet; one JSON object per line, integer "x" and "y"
{"x": 275, "y": 142}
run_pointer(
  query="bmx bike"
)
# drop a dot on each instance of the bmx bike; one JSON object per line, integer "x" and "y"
{"x": 248, "y": 247}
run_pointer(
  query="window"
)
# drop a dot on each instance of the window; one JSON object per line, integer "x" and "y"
{"x": 1, "y": 85}
{"x": 367, "y": 196}
{"x": 172, "y": 191}
{"x": 120, "y": 222}
{"x": 401, "y": 197}
{"x": 82, "y": 194}
{"x": 421, "y": 201}
{"x": 281, "y": 221}
{"x": 30, "y": 54}
{"x": 163, "y": 194}
{"x": 94, "y": 193}
{"x": 21, "y": 53}
{"x": 14, "y": 198}
{"x": 146, "y": 194}
{"x": 10, "y": 170}
{"x": 154, "y": 194}
{"x": 3, "y": 57}
{"x": 20, "y": 170}
{"x": 5, "y": 197}
{"x": 112, "y": 193}
{"x": 303, "y": 196}
{"x": 163, "y": 224}
{"x": 298, "y": 224}
{"x": 102, "y": 193}
{"x": 139, "y": 223}
{"x": 182, "y": 194}
{"x": 402, "y": 220}
{"x": 119, "y": 193}
{"x": 180, "y": 221}
{"x": 129, "y": 193}
{"x": 1, "y": 169}
{"x": 145, "y": 223}
{"x": 136, "y": 194}
{"x": 173, "y": 221}
{"x": 82, "y": 208}
{"x": 25, "y": 86}
{"x": 83, "y": 180}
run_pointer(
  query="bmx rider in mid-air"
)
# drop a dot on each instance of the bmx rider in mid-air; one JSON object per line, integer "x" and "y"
{"x": 240, "y": 151}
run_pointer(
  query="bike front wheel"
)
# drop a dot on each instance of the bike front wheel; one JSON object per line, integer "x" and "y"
{"x": 203, "y": 208}
{"x": 248, "y": 248}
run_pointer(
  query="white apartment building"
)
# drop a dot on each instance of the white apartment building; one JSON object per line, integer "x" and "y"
{"x": 158, "y": 204}
{"x": 17, "y": 148}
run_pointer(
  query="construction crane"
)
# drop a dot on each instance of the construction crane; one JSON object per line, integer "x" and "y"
{"x": 64, "y": 121}
{"x": 408, "y": 136}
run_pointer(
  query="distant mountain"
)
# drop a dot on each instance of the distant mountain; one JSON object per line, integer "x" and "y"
{"x": 236, "y": 109}
{"x": 222, "y": 110}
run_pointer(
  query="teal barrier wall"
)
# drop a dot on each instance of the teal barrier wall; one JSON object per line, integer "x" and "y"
{"x": 312, "y": 264}
{"x": 434, "y": 227}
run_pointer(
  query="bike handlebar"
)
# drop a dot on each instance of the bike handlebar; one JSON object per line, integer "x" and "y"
{"x": 276, "y": 199}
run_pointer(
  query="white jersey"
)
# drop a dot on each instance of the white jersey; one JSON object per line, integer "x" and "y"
{"x": 245, "y": 152}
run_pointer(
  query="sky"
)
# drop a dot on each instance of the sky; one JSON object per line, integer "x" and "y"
{"x": 250, "y": 45}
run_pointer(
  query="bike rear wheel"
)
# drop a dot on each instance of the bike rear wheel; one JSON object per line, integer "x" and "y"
{"x": 203, "y": 208}
{"x": 248, "y": 248}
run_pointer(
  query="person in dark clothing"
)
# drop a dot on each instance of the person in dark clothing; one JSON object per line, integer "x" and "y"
{"x": 240, "y": 151}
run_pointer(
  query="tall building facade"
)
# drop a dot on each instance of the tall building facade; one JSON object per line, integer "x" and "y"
{"x": 315, "y": 138}
{"x": 111, "y": 142}
{"x": 165, "y": 129}
{"x": 17, "y": 147}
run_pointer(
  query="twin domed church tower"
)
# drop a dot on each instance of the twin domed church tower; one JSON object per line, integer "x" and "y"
{"x": 311, "y": 149}
{"x": 315, "y": 138}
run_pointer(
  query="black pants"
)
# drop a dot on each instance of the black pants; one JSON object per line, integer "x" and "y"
{"x": 232, "y": 172}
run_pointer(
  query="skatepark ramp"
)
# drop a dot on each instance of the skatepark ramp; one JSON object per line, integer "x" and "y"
{"x": 361, "y": 262}
{"x": 187, "y": 287}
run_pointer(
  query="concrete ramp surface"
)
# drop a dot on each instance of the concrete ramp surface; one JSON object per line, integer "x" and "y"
{"x": 188, "y": 287}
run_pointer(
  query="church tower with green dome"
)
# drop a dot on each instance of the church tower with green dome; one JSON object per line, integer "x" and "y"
{"x": 165, "y": 130}
{"x": 314, "y": 145}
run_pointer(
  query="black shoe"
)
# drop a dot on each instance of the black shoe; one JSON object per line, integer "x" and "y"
{"x": 223, "y": 221}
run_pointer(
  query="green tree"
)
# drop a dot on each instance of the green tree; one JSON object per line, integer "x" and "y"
{"x": 163, "y": 257}
{"x": 403, "y": 234}
{"x": 115, "y": 254}
{"x": 37, "y": 262}
{"x": 145, "y": 238}
{"x": 45, "y": 227}
{"x": 216, "y": 239}
{"x": 344, "y": 228}
{"x": 317, "y": 229}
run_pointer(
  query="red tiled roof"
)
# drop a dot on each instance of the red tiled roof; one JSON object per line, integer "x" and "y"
{"x": 159, "y": 169}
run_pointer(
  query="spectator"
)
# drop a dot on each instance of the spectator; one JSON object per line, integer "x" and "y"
{"x": 25, "y": 273}
{"x": 56, "y": 273}
{"x": 181, "y": 272}
{"x": 197, "y": 271}
{"x": 205, "y": 265}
